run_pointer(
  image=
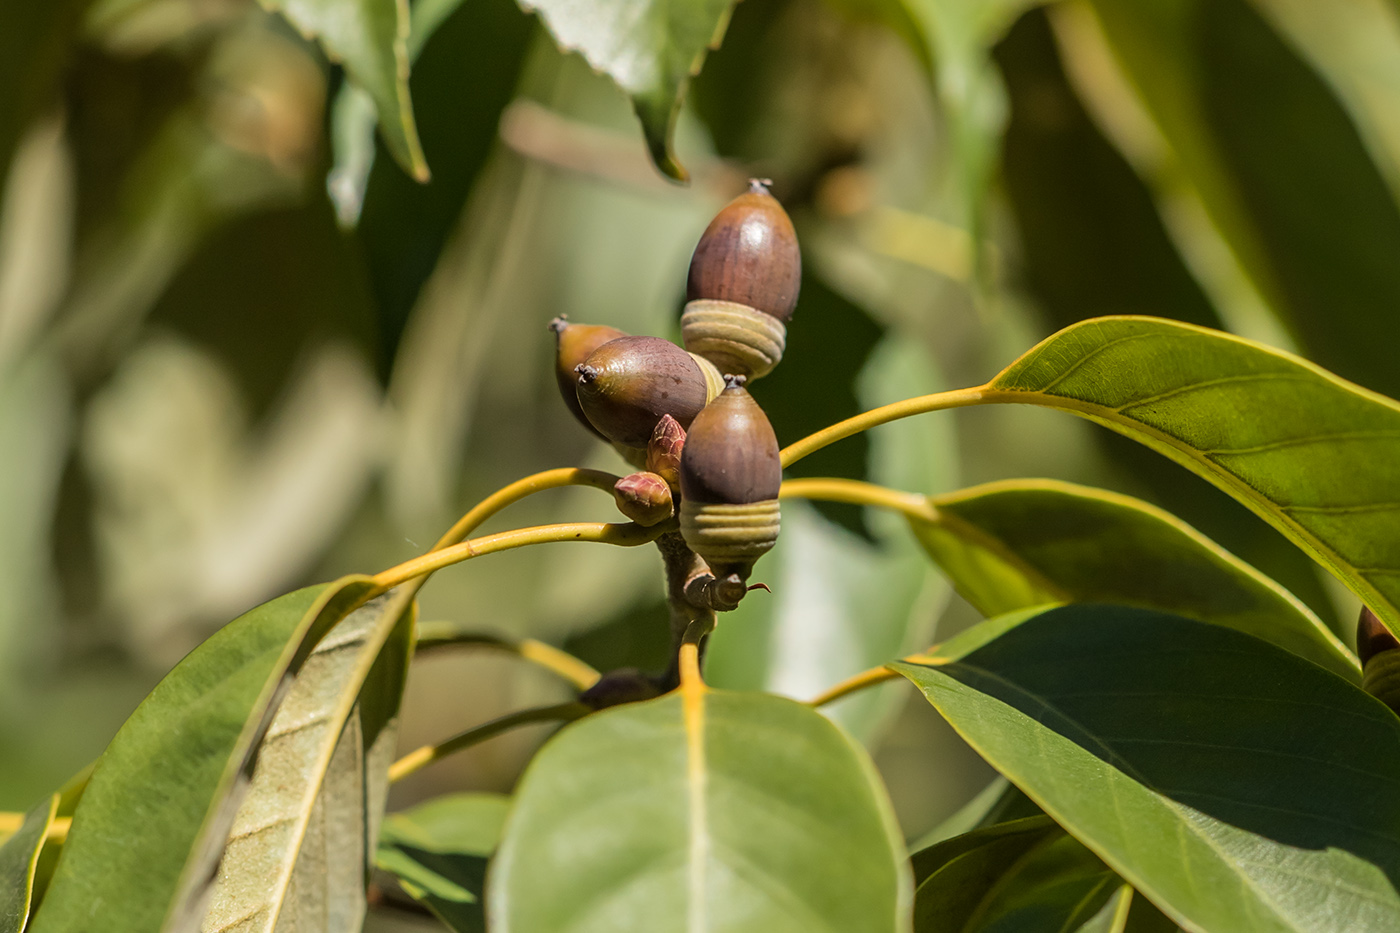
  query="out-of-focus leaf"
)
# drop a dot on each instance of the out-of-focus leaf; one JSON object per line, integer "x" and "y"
{"x": 715, "y": 811}
{"x": 297, "y": 856}
{"x": 1239, "y": 786}
{"x": 1021, "y": 543}
{"x": 438, "y": 852}
{"x": 462, "y": 80}
{"x": 651, "y": 49}
{"x": 839, "y": 604}
{"x": 1051, "y": 882}
{"x": 19, "y": 857}
{"x": 1311, "y": 454}
{"x": 370, "y": 38}
{"x": 1279, "y": 166}
{"x": 147, "y": 835}
{"x": 1093, "y": 243}
{"x": 35, "y": 41}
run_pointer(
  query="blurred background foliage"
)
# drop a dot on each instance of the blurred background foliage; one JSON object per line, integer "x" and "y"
{"x": 242, "y": 349}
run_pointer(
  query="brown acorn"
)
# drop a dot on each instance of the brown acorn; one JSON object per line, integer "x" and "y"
{"x": 730, "y": 475}
{"x": 1377, "y": 648}
{"x": 574, "y": 343}
{"x": 627, "y": 384}
{"x": 744, "y": 278}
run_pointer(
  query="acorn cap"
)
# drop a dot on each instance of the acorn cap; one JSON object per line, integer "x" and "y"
{"x": 574, "y": 343}
{"x": 627, "y": 384}
{"x": 1372, "y": 637}
{"x": 731, "y": 453}
{"x": 749, "y": 255}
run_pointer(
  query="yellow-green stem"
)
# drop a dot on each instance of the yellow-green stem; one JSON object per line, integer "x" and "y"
{"x": 861, "y": 681}
{"x": 506, "y": 495}
{"x": 11, "y": 822}
{"x": 422, "y": 757}
{"x": 622, "y": 535}
{"x": 939, "y": 401}
{"x": 436, "y": 635}
{"x": 859, "y": 493}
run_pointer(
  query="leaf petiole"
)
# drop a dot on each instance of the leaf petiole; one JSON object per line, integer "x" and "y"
{"x": 436, "y": 635}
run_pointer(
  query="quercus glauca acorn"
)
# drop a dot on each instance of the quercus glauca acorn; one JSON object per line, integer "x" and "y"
{"x": 743, "y": 284}
{"x": 574, "y": 343}
{"x": 627, "y": 385}
{"x": 730, "y": 474}
{"x": 1379, "y": 652}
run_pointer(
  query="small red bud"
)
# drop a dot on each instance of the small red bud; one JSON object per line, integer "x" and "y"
{"x": 664, "y": 450}
{"x": 645, "y": 498}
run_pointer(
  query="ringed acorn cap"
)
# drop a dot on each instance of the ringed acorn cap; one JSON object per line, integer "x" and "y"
{"x": 574, "y": 343}
{"x": 1372, "y": 637}
{"x": 749, "y": 255}
{"x": 731, "y": 453}
{"x": 626, "y": 386}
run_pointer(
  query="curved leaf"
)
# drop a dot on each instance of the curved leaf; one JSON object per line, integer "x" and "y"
{"x": 438, "y": 852}
{"x": 651, "y": 48}
{"x": 297, "y": 855}
{"x": 1020, "y": 543}
{"x": 19, "y": 857}
{"x": 370, "y": 38}
{"x": 1313, "y": 455}
{"x": 1002, "y": 841}
{"x": 151, "y": 825}
{"x": 1237, "y": 785}
{"x": 722, "y": 811}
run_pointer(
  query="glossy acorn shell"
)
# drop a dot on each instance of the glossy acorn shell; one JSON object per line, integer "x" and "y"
{"x": 574, "y": 343}
{"x": 626, "y": 386}
{"x": 749, "y": 255}
{"x": 731, "y": 453}
{"x": 1372, "y": 637}
{"x": 1380, "y": 661}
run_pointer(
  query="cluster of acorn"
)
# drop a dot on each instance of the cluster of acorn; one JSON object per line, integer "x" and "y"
{"x": 683, "y": 416}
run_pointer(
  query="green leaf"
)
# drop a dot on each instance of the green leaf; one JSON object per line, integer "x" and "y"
{"x": 840, "y": 604}
{"x": 370, "y": 38}
{"x": 19, "y": 858}
{"x": 1237, "y": 785}
{"x": 720, "y": 811}
{"x": 297, "y": 851}
{"x": 1280, "y": 167}
{"x": 1021, "y": 543}
{"x": 1051, "y": 882}
{"x": 438, "y": 852}
{"x": 999, "y": 843}
{"x": 1313, "y": 455}
{"x": 650, "y": 48}
{"x": 149, "y": 830}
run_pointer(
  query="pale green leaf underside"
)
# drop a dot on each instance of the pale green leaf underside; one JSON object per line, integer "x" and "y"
{"x": 296, "y": 856}
{"x": 1238, "y": 786}
{"x": 368, "y": 37}
{"x": 152, "y": 822}
{"x": 19, "y": 855}
{"x": 1020, "y": 543}
{"x": 651, "y": 48}
{"x": 1312, "y": 454}
{"x": 772, "y": 820}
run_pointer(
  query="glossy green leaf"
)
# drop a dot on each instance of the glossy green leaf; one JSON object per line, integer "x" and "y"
{"x": 1237, "y": 785}
{"x": 1021, "y": 543}
{"x": 651, "y": 49}
{"x": 1005, "y": 842}
{"x": 438, "y": 852}
{"x": 1052, "y": 883}
{"x": 841, "y": 604}
{"x": 19, "y": 858}
{"x": 1280, "y": 167}
{"x": 370, "y": 38}
{"x": 734, "y": 811}
{"x": 1313, "y": 455}
{"x": 296, "y": 855}
{"x": 149, "y": 830}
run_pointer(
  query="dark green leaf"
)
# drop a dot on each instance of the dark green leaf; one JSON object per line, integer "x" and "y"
{"x": 19, "y": 857}
{"x": 650, "y": 48}
{"x": 729, "y": 811}
{"x": 1237, "y": 785}
{"x": 150, "y": 828}
{"x": 369, "y": 37}
{"x": 1315, "y": 456}
{"x": 438, "y": 852}
{"x": 1020, "y": 543}
{"x": 1012, "y": 838}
